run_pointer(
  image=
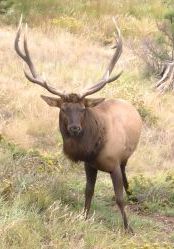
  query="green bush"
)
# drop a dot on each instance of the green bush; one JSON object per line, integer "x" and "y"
{"x": 5, "y": 6}
{"x": 70, "y": 23}
{"x": 154, "y": 194}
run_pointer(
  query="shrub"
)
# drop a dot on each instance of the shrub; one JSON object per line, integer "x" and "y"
{"x": 154, "y": 194}
{"x": 70, "y": 23}
{"x": 5, "y": 5}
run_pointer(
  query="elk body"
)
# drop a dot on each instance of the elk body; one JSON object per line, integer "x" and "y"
{"x": 102, "y": 134}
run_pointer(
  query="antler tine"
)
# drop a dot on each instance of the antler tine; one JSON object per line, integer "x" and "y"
{"x": 27, "y": 53}
{"x": 17, "y": 38}
{"x": 27, "y": 58}
{"x": 117, "y": 53}
{"x": 100, "y": 85}
{"x": 105, "y": 79}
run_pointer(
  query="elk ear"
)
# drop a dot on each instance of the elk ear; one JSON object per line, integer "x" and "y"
{"x": 93, "y": 102}
{"x": 56, "y": 102}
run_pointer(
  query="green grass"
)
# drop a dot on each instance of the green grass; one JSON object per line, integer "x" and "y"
{"x": 154, "y": 194}
{"x": 41, "y": 192}
{"x": 93, "y": 8}
{"x": 135, "y": 17}
{"x": 41, "y": 205}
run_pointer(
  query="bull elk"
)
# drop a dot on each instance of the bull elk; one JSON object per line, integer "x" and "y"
{"x": 101, "y": 133}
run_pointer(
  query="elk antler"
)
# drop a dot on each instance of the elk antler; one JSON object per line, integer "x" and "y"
{"x": 105, "y": 79}
{"x": 35, "y": 78}
{"x": 27, "y": 59}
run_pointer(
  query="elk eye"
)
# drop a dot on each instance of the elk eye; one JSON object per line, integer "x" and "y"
{"x": 63, "y": 109}
{"x": 82, "y": 110}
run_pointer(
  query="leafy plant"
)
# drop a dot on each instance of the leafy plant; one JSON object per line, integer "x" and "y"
{"x": 154, "y": 194}
{"x": 5, "y": 5}
{"x": 70, "y": 23}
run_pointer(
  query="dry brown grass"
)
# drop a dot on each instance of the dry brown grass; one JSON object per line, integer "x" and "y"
{"x": 70, "y": 62}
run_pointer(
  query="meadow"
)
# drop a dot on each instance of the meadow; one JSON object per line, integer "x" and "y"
{"x": 41, "y": 191}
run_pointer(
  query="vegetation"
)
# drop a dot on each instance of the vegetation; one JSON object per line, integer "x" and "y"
{"x": 41, "y": 192}
{"x": 41, "y": 204}
{"x": 5, "y": 5}
{"x": 158, "y": 52}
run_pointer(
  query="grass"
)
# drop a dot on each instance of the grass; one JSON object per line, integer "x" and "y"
{"x": 41, "y": 206}
{"x": 136, "y": 18}
{"x": 41, "y": 192}
{"x": 26, "y": 119}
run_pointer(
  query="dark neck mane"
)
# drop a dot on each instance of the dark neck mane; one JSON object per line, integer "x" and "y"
{"x": 86, "y": 147}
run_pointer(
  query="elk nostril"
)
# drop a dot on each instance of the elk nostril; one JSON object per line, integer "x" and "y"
{"x": 75, "y": 128}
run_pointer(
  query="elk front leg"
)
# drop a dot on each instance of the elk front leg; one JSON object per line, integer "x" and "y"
{"x": 117, "y": 181}
{"x": 91, "y": 175}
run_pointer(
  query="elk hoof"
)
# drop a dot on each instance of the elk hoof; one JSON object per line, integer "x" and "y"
{"x": 129, "y": 230}
{"x": 85, "y": 214}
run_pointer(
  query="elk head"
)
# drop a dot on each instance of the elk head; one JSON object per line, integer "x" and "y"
{"x": 72, "y": 106}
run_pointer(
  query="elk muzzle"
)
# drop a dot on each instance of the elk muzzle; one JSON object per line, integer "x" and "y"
{"x": 75, "y": 130}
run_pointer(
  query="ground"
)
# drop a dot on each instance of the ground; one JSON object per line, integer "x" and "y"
{"x": 41, "y": 191}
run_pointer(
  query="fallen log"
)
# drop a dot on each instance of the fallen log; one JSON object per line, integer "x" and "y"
{"x": 166, "y": 82}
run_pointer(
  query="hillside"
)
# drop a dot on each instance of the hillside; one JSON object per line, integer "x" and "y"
{"x": 41, "y": 191}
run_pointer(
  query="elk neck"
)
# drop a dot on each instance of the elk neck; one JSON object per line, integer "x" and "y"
{"x": 85, "y": 147}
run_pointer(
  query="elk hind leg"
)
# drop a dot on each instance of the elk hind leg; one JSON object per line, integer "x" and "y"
{"x": 125, "y": 181}
{"x": 117, "y": 181}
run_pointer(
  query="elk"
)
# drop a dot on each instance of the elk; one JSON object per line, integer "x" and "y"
{"x": 101, "y": 133}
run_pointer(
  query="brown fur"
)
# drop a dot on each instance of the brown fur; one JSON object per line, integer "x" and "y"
{"x": 86, "y": 147}
{"x": 71, "y": 98}
{"x": 102, "y": 134}
{"x": 109, "y": 134}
